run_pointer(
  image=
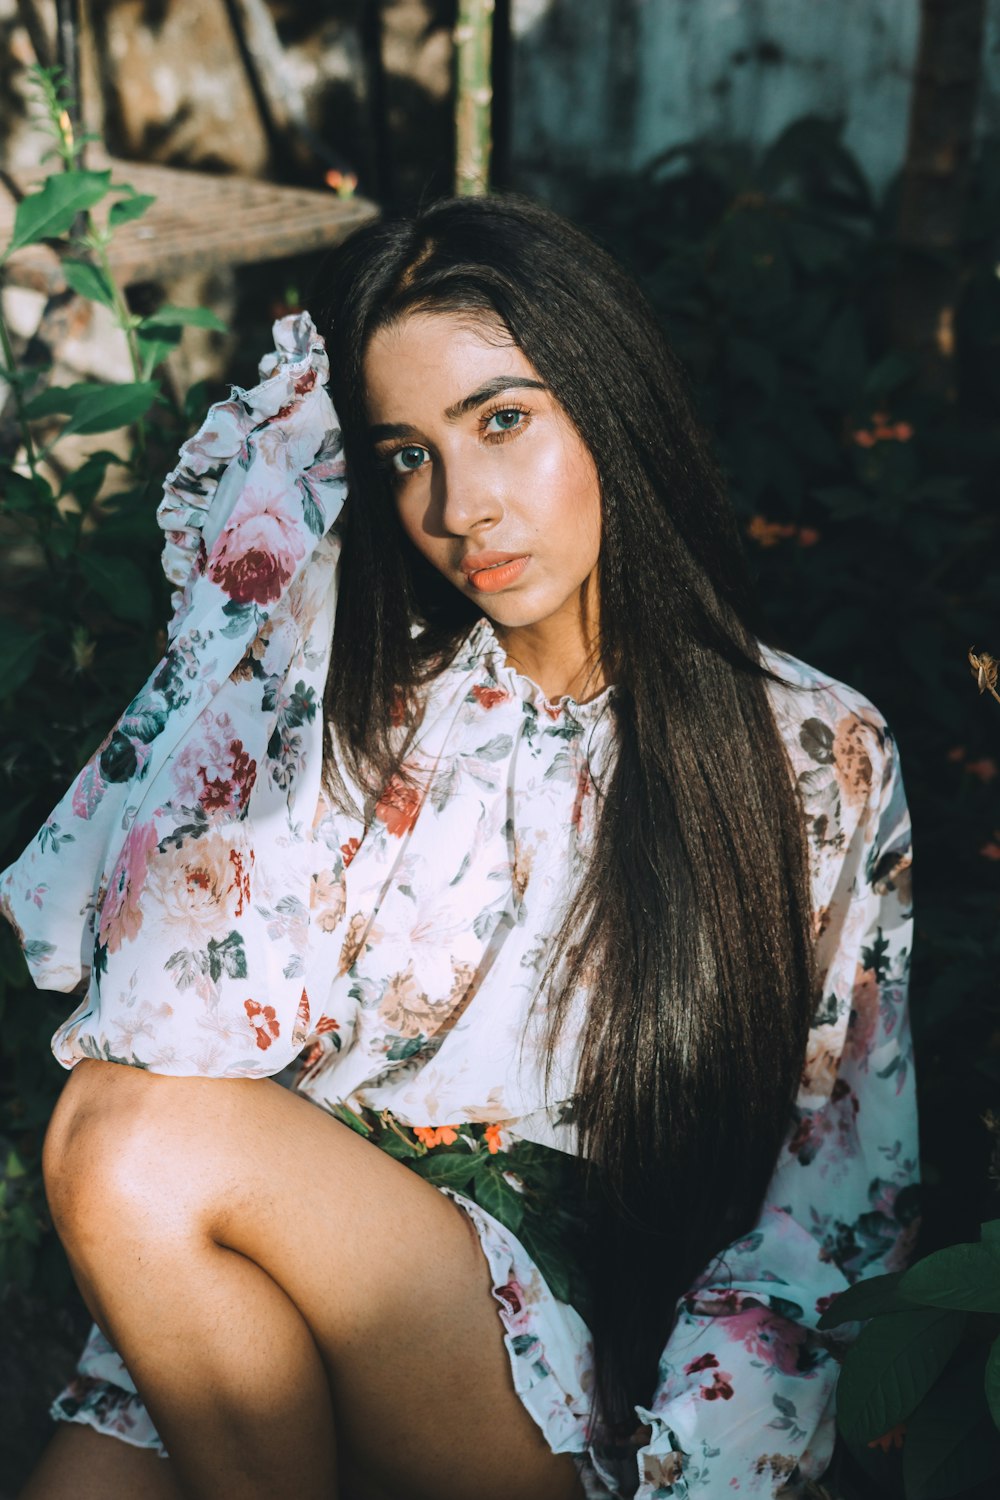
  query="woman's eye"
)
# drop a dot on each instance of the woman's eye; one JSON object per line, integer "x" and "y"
{"x": 506, "y": 420}
{"x": 407, "y": 460}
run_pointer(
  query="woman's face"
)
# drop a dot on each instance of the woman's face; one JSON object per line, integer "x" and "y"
{"x": 493, "y": 483}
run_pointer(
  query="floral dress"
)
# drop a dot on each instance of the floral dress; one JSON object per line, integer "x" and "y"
{"x": 215, "y": 915}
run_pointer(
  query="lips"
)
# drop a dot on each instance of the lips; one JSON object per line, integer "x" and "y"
{"x": 476, "y": 562}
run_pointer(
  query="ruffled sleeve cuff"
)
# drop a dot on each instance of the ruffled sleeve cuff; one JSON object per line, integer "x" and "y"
{"x": 188, "y": 514}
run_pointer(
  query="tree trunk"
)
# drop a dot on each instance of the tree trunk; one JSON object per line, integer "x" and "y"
{"x": 934, "y": 186}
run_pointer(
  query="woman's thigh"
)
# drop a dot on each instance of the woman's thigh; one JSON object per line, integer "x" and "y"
{"x": 387, "y": 1272}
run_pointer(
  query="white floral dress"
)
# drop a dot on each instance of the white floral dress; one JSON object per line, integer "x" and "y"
{"x": 217, "y": 917}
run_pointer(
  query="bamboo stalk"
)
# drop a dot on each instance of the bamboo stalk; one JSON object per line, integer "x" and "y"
{"x": 473, "y": 38}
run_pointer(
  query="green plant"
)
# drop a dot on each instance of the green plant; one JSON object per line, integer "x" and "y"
{"x": 918, "y": 1399}
{"x": 82, "y": 595}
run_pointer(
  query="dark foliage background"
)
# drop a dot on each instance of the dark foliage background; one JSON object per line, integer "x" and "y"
{"x": 872, "y": 522}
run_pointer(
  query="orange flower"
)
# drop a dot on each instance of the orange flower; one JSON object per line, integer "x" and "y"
{"x": 808, "y": 536}
{"x": 883, "y": 431}
{"x": 992, "y": 849}
{"x": 985, "y": 769}
{"x": 430, "y": 1135}
{"x": 343, "y": 183}
{"x": 891, "y": 1439}
{"x": 492, "y": 1136}
{"x": 769, "y": 533}
{"x": 957, "y": 753}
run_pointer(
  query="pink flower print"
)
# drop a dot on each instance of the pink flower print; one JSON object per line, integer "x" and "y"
{"x": 398, "y": 807}
{"x": 256, "y": 555}
{"x": 769, "y": 1338}
{"x": 264, "y": 1022}
{"x": 121, "y": 913}
{"x": 721, "y": 1388}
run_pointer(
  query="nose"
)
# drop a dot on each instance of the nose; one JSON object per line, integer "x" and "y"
{"x": 467, "y": 495}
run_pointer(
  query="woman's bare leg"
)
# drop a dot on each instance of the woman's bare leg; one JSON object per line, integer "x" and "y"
{"x": 248, "y": 1255}
{"x": 81, "y": 1464}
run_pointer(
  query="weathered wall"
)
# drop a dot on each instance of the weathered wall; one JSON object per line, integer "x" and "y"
{"x": 605, "y": 85}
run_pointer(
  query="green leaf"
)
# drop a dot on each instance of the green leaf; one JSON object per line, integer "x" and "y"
{"x": 19, "y": 649}
{"x": 52, "y": 211}
{"x": 89, "y": 281}
{"x": 120, "y": 583}
{"x": 547, "y": 1260}
{"x": 891, "y": 1367}
{"x": 63, "y": 400}
{"x": 22, "y": 492}
{"x": 992, "y": 1381}
{"x": 864, "y": 1299}
{"x": 128, "y": 209}
{"x": 495, "y": 1194}
{"x": 951, "y": 1444}
{"x": 960, "y": 1276}
{"x": 86, "y": 481}
{"x": 111, "y": 407}
{"x": 183, "y": 317}
{"x": 153, "y": 351}
{"x": 455, "y": 1169}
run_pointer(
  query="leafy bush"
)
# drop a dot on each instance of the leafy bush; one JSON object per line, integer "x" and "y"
{"x": 82, "y": 594}
{"x": 870, "y": 512}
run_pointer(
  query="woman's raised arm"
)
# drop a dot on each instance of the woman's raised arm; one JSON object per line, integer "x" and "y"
{"x": 177, "y": 863}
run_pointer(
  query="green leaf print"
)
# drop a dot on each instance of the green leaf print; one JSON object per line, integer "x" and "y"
{"x": 228, "y": 957}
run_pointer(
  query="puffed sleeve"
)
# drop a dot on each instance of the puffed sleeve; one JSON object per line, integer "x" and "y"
{"x": 745, "y": 1397}
{"x": 171, "y": 882}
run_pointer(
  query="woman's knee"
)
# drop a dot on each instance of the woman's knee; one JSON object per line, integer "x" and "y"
{"x": 106, "y": 1157}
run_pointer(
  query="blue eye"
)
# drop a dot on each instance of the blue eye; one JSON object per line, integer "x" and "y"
{"x": 407, "y": 460}
{"x": 507, "y": 419}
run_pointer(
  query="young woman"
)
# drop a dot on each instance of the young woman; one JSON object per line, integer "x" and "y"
{"x": 581, "y": 910}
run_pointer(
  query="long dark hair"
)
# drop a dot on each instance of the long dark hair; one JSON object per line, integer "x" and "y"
{"x": 692, "y": 928}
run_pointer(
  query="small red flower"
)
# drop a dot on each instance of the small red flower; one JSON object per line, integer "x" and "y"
{"x": 489, "y": 697}
{"x": 703, "y": 1362}
{"x": 398, "y": 807}
{"x": 349, "y": 850}
{"x": 267, "y": 1026}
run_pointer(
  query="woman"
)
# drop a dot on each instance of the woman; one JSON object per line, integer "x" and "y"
{"x": 591, "y": 909}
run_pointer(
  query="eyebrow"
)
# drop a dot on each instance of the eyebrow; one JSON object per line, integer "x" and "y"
{"x": 383, "y": 430}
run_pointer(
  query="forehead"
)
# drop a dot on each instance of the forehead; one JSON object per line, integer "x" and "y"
{"x": 431, "y": 360}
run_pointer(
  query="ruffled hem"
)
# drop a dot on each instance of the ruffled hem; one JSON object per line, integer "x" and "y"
{"x": 547, "y": 1343}
{"x": 108, "y": 1409}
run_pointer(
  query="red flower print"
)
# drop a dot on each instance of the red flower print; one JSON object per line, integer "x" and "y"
{"x": 489, "y": 697}
{"x": 232, "y": 793}
{"x": 325, "y": 1024}
{"x": 349, "y": 850}
{"x": 241, "y": 880}
{"x": 721, "y": 1388}
{"x": 267, "y": 1026}
{"x": 703, "y": 1362}
{"x": 257, "y": 553}
{"x": 398, "y": 807}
